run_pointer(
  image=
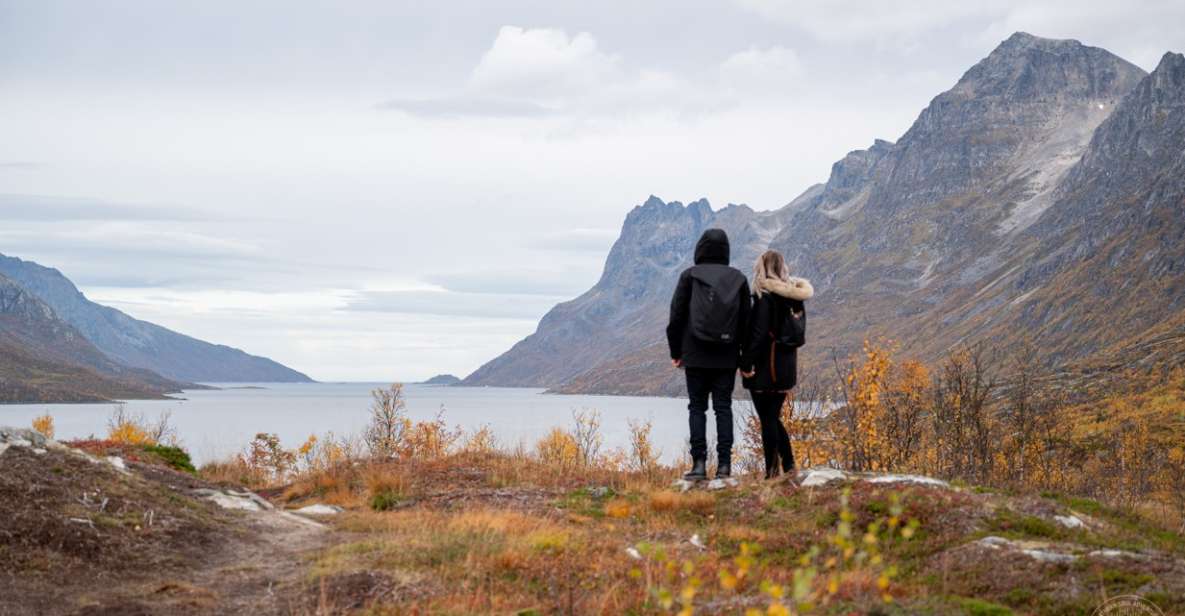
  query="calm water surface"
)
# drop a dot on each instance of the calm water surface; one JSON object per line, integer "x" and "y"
{"x": 215, "y": 423}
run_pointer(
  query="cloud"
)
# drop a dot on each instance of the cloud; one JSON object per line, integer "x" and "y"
{"x": 448, "y": 303}
{"x": 544, "y": 62}
{"x": 550, "y": 283}
{"x": 57, "y": 209}
{"x": 761, "y": 71}
{"x": 576, "y": 240}
{"x": 854, "y": 20}
{"x": 544, "y": 72}
{"x": 145, "y": 239}
{"x": 20, "y": 165}
{"x": 461, "y": 106}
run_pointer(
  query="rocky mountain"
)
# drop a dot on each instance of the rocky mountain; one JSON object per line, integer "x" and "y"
{"x": 140, "y": 344}
{"x": 621, "y": 310}
{"x": 45, "y": 359}
{"x": 1040, "y": 198}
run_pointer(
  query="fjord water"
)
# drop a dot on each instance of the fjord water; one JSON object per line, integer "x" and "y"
{"x": 216, "y": 423}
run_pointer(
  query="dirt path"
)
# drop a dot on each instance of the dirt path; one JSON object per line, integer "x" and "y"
{"x": 261, "y": 569}
{"x": 82, "y": 534}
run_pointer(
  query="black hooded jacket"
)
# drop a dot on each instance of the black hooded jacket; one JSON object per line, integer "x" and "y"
{"x": 711, "y": 265}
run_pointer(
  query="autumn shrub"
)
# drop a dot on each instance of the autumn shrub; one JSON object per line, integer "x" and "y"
{"x": 428, "y": 440}
{"x": 481, "y": 440}
{"x": 386, "y": 486}
{"x": 1001, "y": 419}
{"x": 130, "y": 428}
{"x": 860, "y": 444}
{"x": 44, "y": 425}
{"x": 558, "y": 449}
{"x": 880, "y": 424}
{"x": 586, "y": 432}
{"x": 234, "y": 471}
{"x": 643, "y": 456}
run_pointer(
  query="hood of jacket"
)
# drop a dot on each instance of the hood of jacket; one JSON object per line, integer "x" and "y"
{"x": 793, "y": 288}
{"x": 712, "y": 247}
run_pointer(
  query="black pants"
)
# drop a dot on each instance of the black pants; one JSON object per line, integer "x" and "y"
{"x": 775, "y": 443}
{"x": 718, "y": 383}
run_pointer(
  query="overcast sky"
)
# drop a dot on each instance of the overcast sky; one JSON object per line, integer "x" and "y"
{"x": 387, "y": 190}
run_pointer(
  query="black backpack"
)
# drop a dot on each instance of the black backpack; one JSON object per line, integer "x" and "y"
{"x": 715, "y": 304}
{"x": 789, "y": 323}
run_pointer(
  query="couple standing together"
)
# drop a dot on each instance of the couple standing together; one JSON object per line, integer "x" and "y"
{"x": 716, "y": 328}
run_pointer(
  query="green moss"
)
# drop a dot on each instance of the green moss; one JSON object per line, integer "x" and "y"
{"x": 1085, "y": 505}
{"x": 1119, "y": 581}
{"x": 826, "y": 519}
{"x": 584, "y": 502}
{"x": 785, "y": 502}
{"x": 1010, "y": 523}
{"x": 175, "y": 457}
{"x": 877, "y": 508}
{"x": 385, "y": 500}
{"x": 1020, "y": 596}
{"x": 979, "y": 607}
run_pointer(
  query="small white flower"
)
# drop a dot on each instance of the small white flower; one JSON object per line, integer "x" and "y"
{"x": 634, "y": 553}
{"x": 697, "y": 542}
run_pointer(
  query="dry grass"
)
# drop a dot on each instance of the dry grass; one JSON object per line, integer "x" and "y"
{"x": 561, "y": 528}
{"x": 666, "y": 501}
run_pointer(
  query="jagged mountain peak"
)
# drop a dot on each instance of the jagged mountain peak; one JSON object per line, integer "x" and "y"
{"x": 1030, "y": 67}
{"x": 1021, "y": 40}
{"x": 1169, "y": 74}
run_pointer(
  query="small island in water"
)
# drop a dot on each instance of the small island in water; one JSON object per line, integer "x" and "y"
{"x": 442, "y": 379}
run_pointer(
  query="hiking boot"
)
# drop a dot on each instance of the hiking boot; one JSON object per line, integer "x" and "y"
{"x": 724, "y": 470}
{"x": 698, "y": 472}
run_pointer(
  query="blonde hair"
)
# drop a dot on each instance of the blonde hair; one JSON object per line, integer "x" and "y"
{"x": 770, "y": 266}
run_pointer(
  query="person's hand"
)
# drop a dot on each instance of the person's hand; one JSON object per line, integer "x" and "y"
{"x": 678, "y": 363}
{"x": 749, "y": 374}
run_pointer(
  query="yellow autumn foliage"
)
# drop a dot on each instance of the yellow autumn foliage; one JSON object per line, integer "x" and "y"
{"x": 44, "y": 425}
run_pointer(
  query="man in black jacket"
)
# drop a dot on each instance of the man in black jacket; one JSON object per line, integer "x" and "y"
{"x": 709, "y": 314}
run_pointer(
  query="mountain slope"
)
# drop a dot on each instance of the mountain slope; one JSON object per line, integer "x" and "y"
{"x": 44, "y": 359}
{"x": 939, "y": 218}
{"x": 1105, "y": 266}
{"x": 620, "y": 311}
{"x": 141, "y": 344}
{"x": 969, "y": 227}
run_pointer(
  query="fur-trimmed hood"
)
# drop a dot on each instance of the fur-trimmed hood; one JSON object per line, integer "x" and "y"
{"x": 794, "y": 288}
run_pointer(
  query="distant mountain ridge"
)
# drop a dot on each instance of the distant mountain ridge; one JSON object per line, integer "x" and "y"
{"x": 1039, "y": 198}
{"x": 140, "y": 344}
{"x": 443, "y": 380}
{"x": 45, "y": 359}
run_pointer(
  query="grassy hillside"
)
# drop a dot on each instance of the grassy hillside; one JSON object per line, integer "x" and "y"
{"x": 28, "y": 378}
{"x": 489, "y": 532}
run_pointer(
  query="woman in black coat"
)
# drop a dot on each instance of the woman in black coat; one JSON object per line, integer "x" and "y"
{"x": 777, "y": 328}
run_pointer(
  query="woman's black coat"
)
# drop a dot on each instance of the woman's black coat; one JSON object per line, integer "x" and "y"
{"x": 775, "y": 365}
